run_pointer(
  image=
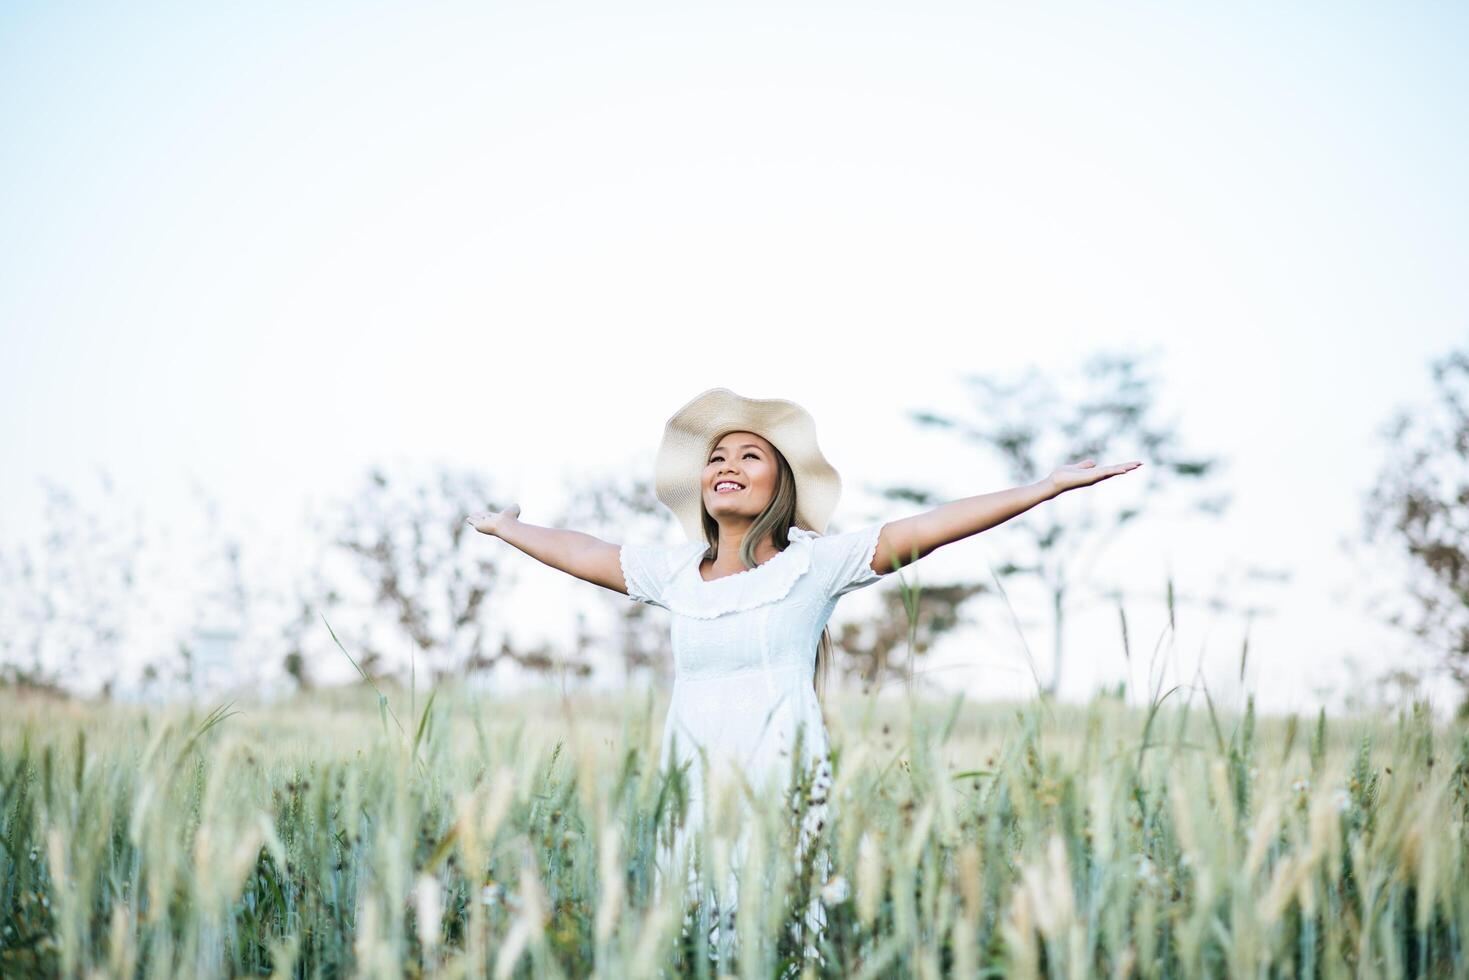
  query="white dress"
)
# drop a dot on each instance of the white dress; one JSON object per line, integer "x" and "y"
{"x": 744, "y": 650}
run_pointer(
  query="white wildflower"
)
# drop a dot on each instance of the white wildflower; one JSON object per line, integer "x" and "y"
{"x": 1046, "y": 884}
{"x": 1145, "y": 869}
{"x": 869, "y": 877}
{"x": 429, "y": 905}
{"x": 835, "y": 891}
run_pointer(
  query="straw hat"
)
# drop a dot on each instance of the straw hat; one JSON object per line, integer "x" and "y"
{"x": 695, "y": 429}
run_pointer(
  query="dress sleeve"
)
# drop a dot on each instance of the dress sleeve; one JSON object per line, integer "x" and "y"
{"x": 845, "y": 560}
{"x": 646, "y": 570}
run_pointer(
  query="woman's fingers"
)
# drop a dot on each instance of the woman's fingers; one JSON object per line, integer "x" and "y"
{"x": 1121, "y": 468}
{"x": 1085, "y": 473}
{"x": 485, "y": 521}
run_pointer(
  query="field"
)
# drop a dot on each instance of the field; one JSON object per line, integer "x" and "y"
{"x": 343, "y": 835}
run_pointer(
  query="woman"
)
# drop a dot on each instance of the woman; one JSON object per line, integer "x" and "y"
{"x": 753, "y": 588}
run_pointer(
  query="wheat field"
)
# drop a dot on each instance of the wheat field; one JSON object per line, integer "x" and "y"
{"x": 359, "y": 832}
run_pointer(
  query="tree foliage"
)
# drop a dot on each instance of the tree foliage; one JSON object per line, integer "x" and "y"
{"x": 1031, "y": 424}
{"x": 627, "y": 510}
{"x": 1419, "y": 503}
{"x": 432, "y": 574}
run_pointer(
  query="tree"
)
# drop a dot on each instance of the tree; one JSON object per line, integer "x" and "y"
{"x": 271, "y": 603}
{"x": 71, "y": 604}
{"x": 1031, "y": 428}
{"x": 429, "y": 571}
{"x": 1420, "y": 504}
{"x": 887, "y": 644}
{"x": 627, "y": 511}
{"x": 107, "y": 599}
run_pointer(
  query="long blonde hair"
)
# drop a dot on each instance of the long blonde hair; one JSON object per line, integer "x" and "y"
{"x": 773, "y": 522}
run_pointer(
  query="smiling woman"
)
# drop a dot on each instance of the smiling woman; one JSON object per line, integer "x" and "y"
{"x": 751, "y": 593}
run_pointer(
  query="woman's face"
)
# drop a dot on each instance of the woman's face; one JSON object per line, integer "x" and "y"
{"x": 748, "y": 460}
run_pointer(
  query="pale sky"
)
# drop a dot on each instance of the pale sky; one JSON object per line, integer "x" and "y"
{"x": 263, "y": 247}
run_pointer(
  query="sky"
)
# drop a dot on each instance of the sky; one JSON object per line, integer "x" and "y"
{"x": 261, "y": 248}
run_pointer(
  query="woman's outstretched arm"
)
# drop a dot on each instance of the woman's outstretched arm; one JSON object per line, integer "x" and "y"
{"x": 905, "y": 541}
{"x": 573, "y": 552}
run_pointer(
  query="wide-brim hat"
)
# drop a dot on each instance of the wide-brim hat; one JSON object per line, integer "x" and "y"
{"x": 695, "y": 429}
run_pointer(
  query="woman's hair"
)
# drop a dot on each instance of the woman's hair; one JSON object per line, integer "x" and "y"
{"x": 773, "y": 522}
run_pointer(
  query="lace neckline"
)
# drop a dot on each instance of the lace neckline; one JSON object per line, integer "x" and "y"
{"x": 690, "y": 595}
{"x": 792, "y": 536}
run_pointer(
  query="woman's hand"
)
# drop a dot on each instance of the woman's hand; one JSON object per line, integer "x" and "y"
{"x": 487, "y": 523}
{"x": 1085, "y": 473}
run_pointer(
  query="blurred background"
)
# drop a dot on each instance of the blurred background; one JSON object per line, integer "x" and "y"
{"x": 291, "y": 289}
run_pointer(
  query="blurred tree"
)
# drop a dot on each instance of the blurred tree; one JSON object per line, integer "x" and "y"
{"x": 622, "y": 511}
{"x": 1031, "y": 427}
{"x": 105, "y": 599}
{"x": 306, "y": 606}
{"x": 221, "y": 605}
{"x": 887, "y": 644}
{"x": 1420, "y": 504}
{"x": 429, "y": 570}
{"x": 275, "y": 606}
{"x": 70, "y": 604}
